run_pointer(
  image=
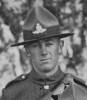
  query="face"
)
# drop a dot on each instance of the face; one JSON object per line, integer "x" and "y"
{"x": 44, "y": 54}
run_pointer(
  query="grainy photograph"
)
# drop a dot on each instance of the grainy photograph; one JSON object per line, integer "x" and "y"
{"x": 43, "y": 49}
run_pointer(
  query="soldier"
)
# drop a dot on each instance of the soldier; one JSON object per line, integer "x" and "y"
{"x": 42, "y": 41}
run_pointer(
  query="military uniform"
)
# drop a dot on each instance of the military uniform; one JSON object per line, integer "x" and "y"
{"x": 33, "y": 87}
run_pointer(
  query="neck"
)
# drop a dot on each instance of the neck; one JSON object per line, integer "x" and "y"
{"x": 48, "y": 74}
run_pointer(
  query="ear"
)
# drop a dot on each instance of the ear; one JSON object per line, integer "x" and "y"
{"x": 61, "y": 46}
{"x": 27, "y": 51}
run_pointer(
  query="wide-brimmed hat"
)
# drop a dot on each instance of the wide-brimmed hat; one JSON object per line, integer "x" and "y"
{"x": 39, "y": 24}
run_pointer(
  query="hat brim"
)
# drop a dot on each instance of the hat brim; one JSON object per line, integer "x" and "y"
{"x": 64, "y": 35}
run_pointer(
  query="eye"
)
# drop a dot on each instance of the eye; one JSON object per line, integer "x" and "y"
{"x": 34, "y": 45}
{"x": 49, "y": 43}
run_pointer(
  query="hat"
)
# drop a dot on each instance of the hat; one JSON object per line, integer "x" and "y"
{"x": 39, "y": 24}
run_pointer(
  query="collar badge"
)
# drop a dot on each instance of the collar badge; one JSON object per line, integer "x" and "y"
{"x": 39, "y": 29}
{"x": 46, "y": 87}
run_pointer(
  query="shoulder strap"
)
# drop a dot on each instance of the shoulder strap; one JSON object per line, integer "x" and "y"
{"x": 18, "y": 79}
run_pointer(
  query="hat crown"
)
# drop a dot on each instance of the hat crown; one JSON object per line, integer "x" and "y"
{"x": 39, "y": 14}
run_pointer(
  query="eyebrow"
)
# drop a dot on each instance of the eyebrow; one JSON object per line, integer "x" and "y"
{"x": 48, "y": 39}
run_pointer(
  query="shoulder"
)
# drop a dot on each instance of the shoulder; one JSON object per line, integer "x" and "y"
{"x": 15, "y": 87}
{"x": 19, "y": 79}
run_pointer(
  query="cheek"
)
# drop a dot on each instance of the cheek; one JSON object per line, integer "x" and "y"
{"x": 35, "y": 56}
{"x": 54, "y": 51}
{"x": 55, "y": 54}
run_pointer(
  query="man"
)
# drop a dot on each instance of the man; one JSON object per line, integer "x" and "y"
{"x": 42, "y": 41}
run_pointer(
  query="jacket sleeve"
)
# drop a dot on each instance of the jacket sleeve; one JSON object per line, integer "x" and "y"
{"x": 3, "y": 97}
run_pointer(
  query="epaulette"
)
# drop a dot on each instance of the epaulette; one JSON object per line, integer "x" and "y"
{"x": 80, "y": 81}
{"x": 18, "y": 79}
{"x": 69, "y": 78}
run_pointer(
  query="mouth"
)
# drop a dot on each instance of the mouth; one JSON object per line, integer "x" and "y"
{"x": 45, "y": 60}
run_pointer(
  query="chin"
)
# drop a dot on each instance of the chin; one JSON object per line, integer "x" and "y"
{"x": 46, "y": 69}
{"x": 46, "y": 65}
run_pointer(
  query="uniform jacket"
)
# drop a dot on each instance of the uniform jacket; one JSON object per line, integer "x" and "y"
{"x": 33, "y": 87}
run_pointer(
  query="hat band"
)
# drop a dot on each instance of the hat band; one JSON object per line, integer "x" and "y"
{"x": 28, "y": 35}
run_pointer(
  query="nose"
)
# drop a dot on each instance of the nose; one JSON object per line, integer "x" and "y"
{"x": 43, "y": 49}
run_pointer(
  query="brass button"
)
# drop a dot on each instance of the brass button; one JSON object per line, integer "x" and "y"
{"x": 23, "y": 77}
